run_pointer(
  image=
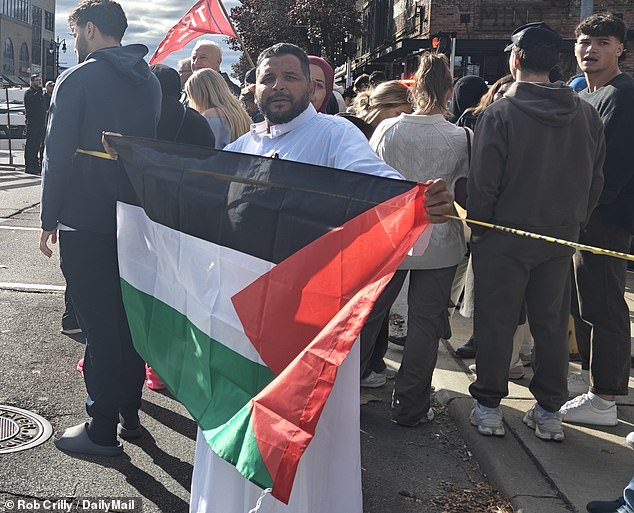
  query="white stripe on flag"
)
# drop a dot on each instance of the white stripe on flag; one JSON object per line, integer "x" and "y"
{"x": 195, "y": 277}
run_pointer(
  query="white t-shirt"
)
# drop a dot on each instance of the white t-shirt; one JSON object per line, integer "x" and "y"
{"x": 424, "y": 148}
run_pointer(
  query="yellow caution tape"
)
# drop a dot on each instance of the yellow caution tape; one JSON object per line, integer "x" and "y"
{"x": 576, "y": 245}
{"x": 98, "y": 154}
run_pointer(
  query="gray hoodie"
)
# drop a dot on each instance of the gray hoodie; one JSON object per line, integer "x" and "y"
{"x": 537, "y": 160}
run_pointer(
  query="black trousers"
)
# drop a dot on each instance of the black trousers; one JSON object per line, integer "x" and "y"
{"x": 602, "y": 317}
{"x": 113, "y": 371}
{"x": 427, "y": 321}
{"x": 34, "y": 138}
{"x": 69, "y": 319}
{"x": 508, "y": 270}
{"x": 373, "y": 335}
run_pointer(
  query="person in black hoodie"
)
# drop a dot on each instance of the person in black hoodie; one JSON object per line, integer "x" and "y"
{"x": 179, "y": 123}
{"x": 112, "y": 89}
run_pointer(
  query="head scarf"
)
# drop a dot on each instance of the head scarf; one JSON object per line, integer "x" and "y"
{"x": 329, "y": 75}
{"x": 466, "y": 94}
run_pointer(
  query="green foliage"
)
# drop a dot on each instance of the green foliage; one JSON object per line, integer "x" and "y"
{"x": 318, "y": 26}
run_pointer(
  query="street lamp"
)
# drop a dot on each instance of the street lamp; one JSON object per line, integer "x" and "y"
{"x": 53, "y": 49}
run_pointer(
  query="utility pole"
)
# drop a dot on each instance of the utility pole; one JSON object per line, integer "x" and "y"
{"x": 586, "y": 8}
{"x": 54, "y": 50}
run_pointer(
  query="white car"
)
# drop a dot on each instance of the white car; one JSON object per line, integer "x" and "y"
{"x": 12, "y": 115}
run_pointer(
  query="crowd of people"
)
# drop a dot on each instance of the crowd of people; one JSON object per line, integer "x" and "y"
{"x": 526, "y": 153}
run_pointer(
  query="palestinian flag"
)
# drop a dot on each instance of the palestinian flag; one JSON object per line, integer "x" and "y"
{"x": 246, "y": 281}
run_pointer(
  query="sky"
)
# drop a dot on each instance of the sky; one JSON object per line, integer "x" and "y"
{"x": 148, "y": 22}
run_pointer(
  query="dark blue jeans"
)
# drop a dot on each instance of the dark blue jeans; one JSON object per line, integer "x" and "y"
{"x": 113, "y": 371}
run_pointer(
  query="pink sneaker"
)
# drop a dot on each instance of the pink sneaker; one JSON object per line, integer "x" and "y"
{"x": 152, "y": 380}
{"x": 80, "y": 366}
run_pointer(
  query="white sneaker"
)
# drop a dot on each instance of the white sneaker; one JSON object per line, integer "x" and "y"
{"x": 629, "y": 439}
{"x": 578, "y": 384}
{"x": 582, "y": 410}
{"x": 488, "y": 420}
{"x": 547, "y": 425}
{"x": 374, "y": 380}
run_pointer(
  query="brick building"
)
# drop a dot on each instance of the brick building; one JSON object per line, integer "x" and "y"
{"x": 397, "y": 31}
{"x": 26, "y": 29}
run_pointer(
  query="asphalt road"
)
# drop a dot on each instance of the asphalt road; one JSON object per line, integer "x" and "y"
{"x": 405, "y": 470}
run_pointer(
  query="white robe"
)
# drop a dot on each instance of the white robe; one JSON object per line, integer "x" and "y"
{"x": 328, "y": 479}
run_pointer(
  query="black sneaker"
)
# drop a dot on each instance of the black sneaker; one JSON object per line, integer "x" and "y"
{"x": 398, "y": 341}
{"x": 70, "y": 330}
{"x": 605, "y": 506}
{"x": 468, "y": 350}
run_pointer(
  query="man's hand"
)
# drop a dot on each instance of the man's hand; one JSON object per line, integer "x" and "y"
{"x": 46, "y": 235}
{"x": 109, "y": 149}
{"x": 438, "y": 201}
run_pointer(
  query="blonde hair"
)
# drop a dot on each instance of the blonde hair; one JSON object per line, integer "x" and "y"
{"x": 207, "y": 89}
{"x": 489, "y": 96}
{"x": 369, "y": 104}
{"x": 431, "y": 82}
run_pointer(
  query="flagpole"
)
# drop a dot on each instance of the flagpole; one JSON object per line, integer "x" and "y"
{"x": 244, "y": 49}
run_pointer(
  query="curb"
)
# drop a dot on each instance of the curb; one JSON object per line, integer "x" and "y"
{"x": 511, "y": 468}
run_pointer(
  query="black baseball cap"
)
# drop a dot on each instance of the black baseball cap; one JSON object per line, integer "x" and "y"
{"x": 534, "y": 35}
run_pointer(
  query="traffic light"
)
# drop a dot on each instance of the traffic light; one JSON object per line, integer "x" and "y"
{"x": 441, "y": 42}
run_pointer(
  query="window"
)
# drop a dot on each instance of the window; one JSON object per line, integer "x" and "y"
{"x": 36, "y": 41}
{"x": 49, "y": 21}
{"x": 8, "y": 66}
{"x": 24, "y": 60}
{"x": 18, "y": 9}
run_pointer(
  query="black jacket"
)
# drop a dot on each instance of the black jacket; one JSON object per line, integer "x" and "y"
{"x": 183, "y": 125}
{"x": 112, "y": 90}
{"x": 615, "y": 104}
{"x": 179, "y": 123}
{"x": 34, "y": 107}
{"x": 235, "y": 90}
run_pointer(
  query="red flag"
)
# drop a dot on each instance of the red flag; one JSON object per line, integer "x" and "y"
{"x": 205, "y": 17}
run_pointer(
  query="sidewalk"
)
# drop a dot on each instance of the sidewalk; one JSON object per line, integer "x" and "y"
{"x": 538, "y": 476}
{"x": 6, "y": 162}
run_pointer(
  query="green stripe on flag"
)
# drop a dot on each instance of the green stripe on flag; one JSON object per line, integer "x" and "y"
{"x": 235, "y": 442}
{"x": 212, "y": 381}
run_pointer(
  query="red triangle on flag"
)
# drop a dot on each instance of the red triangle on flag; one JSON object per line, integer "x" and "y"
{"x": 305, "y": 314}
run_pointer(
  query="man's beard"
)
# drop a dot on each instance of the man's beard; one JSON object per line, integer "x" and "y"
{"x": 278, "y": 118}
{"x": 81, "y": 50}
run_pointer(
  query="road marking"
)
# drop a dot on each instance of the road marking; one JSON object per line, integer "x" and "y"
{"x": 31, "y": 287}
{"x": 26, "y": 228}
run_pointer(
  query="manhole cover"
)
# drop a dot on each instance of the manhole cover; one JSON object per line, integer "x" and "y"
{"x": 21, "y": 429}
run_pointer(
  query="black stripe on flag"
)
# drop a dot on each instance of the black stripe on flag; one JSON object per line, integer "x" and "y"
{"x": 268, "y": 208}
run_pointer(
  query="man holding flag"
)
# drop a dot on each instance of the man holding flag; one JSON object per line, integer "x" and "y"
{"x": 293, "y": 130}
